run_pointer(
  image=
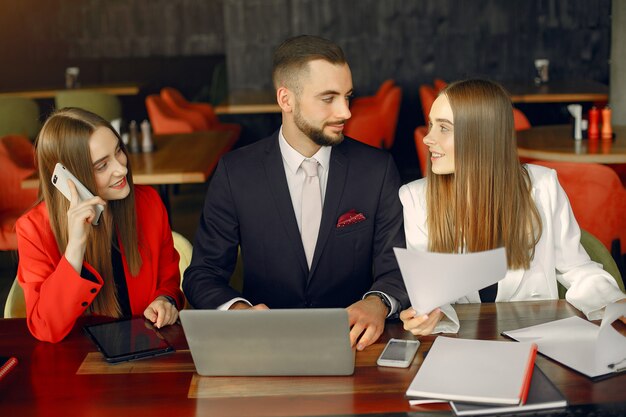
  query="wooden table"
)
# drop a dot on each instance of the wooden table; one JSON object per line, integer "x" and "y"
{"x": 71, "y": 379}
{"x": 184, "y": 158}
{"x": 566, "y": 91}
{"x": 249, "y": 102}
{"x": 556, "y": 143}
{"x": 126, "y": 89}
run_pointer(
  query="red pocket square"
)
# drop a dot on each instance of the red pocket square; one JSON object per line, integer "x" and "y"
{"x": 349, "y": 218}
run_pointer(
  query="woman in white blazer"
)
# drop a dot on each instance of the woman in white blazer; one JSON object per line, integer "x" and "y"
{"x": 477, "y": 196}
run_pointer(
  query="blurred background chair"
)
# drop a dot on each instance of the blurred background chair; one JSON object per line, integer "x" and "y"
{"x": 19, "y": 116}
{"x": 369, "y": 100}
{"x": 163, "y": 120}
{"x": 427, "y": 97}
{"x": 422, "y": 150}
{"x": 520, "y": 120}
{"x": 201, "y": 116}
{"x": 184, "y": 249}
{"x": 439, "y": 84}
{"x": 104, "y": 105}
{"x": 598, "y": 201}
{"x": 17, "y": 162}
{"x": 375, "y": 123}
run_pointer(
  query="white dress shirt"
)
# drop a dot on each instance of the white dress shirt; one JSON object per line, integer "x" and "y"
{"x": 559, "y": 256}
{"x": 295, "y": 175}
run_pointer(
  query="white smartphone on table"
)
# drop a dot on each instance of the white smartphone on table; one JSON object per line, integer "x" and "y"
{"x": 398, "y": 353}
{"x": 59, "y": 180}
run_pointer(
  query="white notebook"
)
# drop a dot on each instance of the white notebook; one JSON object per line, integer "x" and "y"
{"x": 475, "y": 371}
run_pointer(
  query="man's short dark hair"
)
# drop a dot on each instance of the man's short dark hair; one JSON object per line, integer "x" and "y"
{"x": 294, "y": 54}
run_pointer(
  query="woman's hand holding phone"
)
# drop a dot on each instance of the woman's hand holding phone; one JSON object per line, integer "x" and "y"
{"x": 79, "y": 218}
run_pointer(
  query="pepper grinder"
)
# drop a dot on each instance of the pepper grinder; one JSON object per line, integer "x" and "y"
{"x": 146, "y": 133}
{"x": 134, "y": 141}
{"x": 593, "y": 132}
{"x": 607, "y": 130}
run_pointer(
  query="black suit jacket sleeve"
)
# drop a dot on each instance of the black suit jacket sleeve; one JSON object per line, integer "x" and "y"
{"x": 389, "y": 233}
{"x": 215, "y": 247}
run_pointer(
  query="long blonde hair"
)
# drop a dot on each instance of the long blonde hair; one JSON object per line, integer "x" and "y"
{"x": 64, "y": 138}
{"x": 486, "y": 203}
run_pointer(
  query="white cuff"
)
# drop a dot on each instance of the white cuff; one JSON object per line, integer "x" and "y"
{"x": 228, "y": 304}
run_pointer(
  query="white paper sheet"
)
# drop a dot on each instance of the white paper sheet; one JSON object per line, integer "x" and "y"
{"x": 434, "y": 279}
{"x": 580, "y": 344}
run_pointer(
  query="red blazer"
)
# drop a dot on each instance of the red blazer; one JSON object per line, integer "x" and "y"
{"x": 56, "y": 295}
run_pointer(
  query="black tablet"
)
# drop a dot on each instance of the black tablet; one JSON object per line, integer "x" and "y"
{"x": 128, "y": 339}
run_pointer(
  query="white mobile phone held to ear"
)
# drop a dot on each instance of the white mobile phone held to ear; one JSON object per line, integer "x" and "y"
{"x": 59, "y": 180}
{"x": 398, "y": 353}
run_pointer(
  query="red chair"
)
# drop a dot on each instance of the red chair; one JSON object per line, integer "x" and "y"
{"x": 17, "y": 159}
{"x": 390, "y": 110}
{"x": 375, "y": 124}
{"x": 189, "y": 110}
{"x": 163, "y": 119}
{"x": 598, "y": 200}
{"x": 384, "y": 88}
{"x": 520, "y": 120}
{"x": 422, "y": 150}
{"x": 439, "y": 84}
{"x": 427, "y": 98}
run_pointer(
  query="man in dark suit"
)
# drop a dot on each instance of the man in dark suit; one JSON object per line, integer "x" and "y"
{"x": 309, "y": 237}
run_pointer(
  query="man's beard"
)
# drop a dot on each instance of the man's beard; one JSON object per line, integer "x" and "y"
{"x": 315, "y": 134}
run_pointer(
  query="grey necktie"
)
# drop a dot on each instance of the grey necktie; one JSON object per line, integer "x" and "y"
{"x": 311, "y": 208}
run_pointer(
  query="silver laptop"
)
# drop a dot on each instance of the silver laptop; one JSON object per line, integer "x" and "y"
{"x": 269, "y": 342}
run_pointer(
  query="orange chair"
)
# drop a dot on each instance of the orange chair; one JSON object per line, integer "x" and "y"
{"x": 520, "y": 120}
{"x": 598, "y": 200}
{"x": 439, "y": 84}
{"x": 188, "y": 110}
{"x": 390, "y": 110}
{"x": 17, "y": 159}
{"x": 366, "y": 125}
{"x": 427, "y": 98}
{"x": 422, "y": 150}
{"x": 384, "y": 88}
{"x": 163, "y": 119}
{"x": 375, "y": 124}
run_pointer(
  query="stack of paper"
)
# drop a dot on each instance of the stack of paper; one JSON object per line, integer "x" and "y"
{"x": 543, "y": 395}
{"x": 475, "y": 371}
{"x": 579, "y": 344}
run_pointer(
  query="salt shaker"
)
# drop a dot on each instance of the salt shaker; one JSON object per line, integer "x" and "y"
{"x": 134, "y": 140}
{"x": 146, "y": 133}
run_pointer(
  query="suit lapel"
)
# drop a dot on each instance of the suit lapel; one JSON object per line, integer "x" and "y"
{"x": 337, "y": 173}
{"x": 275, "y": 172}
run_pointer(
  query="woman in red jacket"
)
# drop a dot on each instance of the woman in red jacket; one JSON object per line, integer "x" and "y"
{"x": 68, "y": 266}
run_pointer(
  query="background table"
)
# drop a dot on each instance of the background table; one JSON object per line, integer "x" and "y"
{"x": 558, "y": 91}
{"x": 249, "y": 102}
{"x": 69, "y": 378}
{"x": 126, "y": 89}
{"x": 556, "y": 143}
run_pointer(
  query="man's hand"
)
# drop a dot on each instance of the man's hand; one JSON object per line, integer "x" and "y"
{"x": 241, "y": 305}
{"x": 422, "y": 325}
{"x": 367, "y": 321}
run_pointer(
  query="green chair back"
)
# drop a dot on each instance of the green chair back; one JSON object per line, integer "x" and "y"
{"x": 19, "y": 116}
{"x": 598, "y": 253}
{"x": 104, "y": 105}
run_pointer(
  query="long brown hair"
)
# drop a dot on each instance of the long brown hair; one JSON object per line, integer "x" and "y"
{"x": 486, "y": 203}
{"x": 64, "y": 138}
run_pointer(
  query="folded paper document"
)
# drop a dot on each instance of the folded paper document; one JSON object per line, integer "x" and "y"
{"x": 579, "y": 344}
{"x": 475, "y": 371}
{"x": 435, "y": 279}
